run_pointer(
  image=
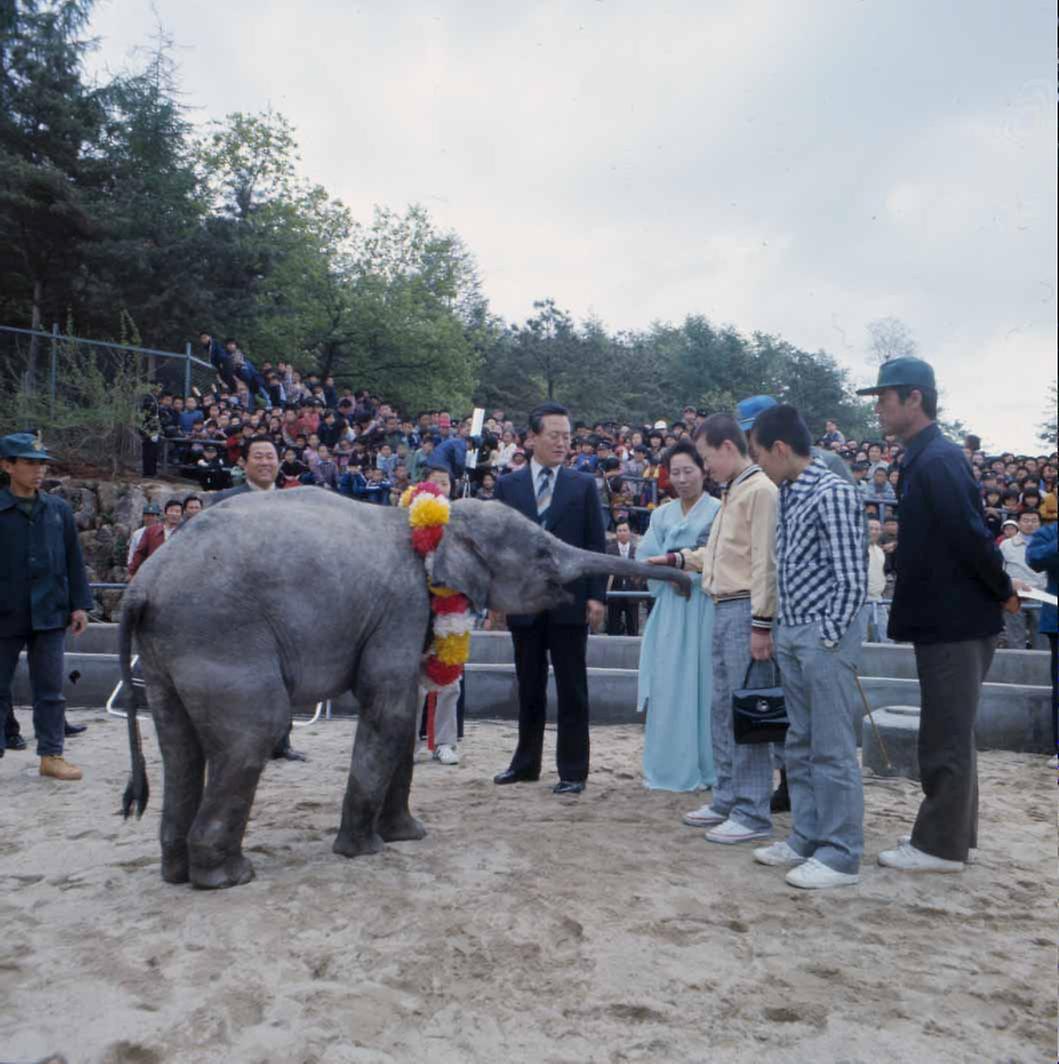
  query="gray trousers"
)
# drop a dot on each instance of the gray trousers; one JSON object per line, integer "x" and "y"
{"x": 823, "y": 771}
{"x": 445, "y": 724}
{"x": 950, "y": 683}
{"x": 1021, "y": 628}
{"x": 744, "y": 773}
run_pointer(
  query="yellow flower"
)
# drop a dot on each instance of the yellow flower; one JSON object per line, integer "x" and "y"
{"x": 442, "y": 592}
{"x": 453, "y": 649}
{"x": 427, "y": 511}
{"x": 406, "y": 496}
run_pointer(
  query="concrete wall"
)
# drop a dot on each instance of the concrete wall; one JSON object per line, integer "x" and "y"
{"x": 1014, "y": 714}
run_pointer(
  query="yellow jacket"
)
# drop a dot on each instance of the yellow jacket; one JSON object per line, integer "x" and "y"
{"x": 739, "y": 558}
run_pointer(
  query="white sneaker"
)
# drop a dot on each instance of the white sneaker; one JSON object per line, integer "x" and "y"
{"x": 908, "y": 859}
{"x": 703, "y": 817}
{"x": 906, "y": 840}
{"x": 779, "y": 853}
{"x": 422, "y": 753}
{"x": 447, "y": 755}
{"x": 731, "y": 831}
{"x": 815, "y": 875}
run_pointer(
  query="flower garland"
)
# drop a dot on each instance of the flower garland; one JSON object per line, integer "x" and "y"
{"x": 450, "y": 648}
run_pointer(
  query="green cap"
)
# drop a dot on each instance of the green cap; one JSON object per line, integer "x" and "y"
{"x": 905, "y": 372}
{"x": 24, "y": 445}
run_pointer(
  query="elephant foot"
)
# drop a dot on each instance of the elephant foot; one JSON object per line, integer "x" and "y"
{"x": 405, "y": 828}
{"x": 175, "y": 867}
{"x": 233, "y": 872}
{"x": 357, "y": 846}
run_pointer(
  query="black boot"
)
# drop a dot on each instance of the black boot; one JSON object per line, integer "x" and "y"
{"x": 781, "y": 800}
{"x": 285, "y": 752}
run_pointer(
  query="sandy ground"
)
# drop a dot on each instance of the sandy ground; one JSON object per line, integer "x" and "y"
{"x": 525, "y": 928}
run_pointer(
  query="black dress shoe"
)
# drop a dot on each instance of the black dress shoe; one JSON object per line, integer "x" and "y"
{"x": 288, "y": 753}
{"x": 568, "y": 787}
{"x": 509, "y": 775}
{"x": 16, "y": 742}
{"x": 74, "y": 729}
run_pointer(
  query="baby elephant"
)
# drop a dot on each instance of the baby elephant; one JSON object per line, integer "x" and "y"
{"x": 312, "y": 596}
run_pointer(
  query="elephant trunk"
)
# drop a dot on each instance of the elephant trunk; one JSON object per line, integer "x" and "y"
{"x": 575, "y": 563}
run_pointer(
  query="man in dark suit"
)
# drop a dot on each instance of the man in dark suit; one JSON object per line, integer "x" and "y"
{"x": 623, "y": 615}
{"x": 260, "y": 460}
{"x": 567, "y": 504}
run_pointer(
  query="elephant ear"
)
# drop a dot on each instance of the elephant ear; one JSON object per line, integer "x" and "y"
{"x": 460, "y": 563}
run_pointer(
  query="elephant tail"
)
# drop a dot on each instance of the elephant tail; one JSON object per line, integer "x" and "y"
{"x": 137, "y": 790}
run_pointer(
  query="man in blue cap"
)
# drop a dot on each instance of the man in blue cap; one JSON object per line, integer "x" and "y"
{"x": 951, "y": 588}
{"x": 43, "y": 589}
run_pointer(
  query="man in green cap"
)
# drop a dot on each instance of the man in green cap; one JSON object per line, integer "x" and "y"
{"x": 950, "y": 591}
{"x": 43, "y": 589}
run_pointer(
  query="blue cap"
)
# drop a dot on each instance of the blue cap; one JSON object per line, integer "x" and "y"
{"x": 24, "y": 445}
{"x": 747, "y": 410}
{"x": 904, "y": 372}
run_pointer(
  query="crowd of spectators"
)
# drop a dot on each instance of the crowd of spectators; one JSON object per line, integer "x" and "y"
{"x": 356, "y": 443}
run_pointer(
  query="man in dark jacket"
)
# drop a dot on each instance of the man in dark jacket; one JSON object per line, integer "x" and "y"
{"x": 951, "y": 588}
{"x": 1042, "y": 555}
{"x": 43, "y": 589}
{"x": 567, "y": 505}
{"x": 623, "y": 615}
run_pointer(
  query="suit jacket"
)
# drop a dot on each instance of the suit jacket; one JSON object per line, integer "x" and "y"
{"x": 574, "y": 516}
{"x": 150, "y": 541}
{"x": 624, "y": 583}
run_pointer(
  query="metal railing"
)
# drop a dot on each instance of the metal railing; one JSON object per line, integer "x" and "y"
{"x": 55, "y": 339}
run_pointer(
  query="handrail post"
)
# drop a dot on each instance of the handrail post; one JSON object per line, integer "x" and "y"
{"x": 54, "y": 364}
{"x": 187, "y": 369}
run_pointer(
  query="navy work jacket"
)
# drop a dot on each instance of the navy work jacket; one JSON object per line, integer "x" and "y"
{"x": 950, "y": 575}
{"x": 574, "y": 516}
{"x": 42, "y": 572}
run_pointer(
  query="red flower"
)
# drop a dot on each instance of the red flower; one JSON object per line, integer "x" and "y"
{"x": 440, "y": 673}
{"x": 424, "y": 540}
{"x": 448, "y": 603}
{"x": 427, "y": 488}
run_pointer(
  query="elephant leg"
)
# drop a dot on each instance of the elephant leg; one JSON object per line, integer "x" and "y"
{"x": 184, "y": 767}
{"x": 384, "y": 743}
{"x": 396, "y": 823}
{"x": 238, "y": 746}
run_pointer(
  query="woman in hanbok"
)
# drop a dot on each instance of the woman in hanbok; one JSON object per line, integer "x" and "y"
{"x": 676, "y": 665}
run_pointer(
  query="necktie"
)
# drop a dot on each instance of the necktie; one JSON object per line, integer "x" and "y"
{"x": 544, "y": 491}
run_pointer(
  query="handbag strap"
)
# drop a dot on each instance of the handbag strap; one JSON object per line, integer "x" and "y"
{"x": 776, "y": 678}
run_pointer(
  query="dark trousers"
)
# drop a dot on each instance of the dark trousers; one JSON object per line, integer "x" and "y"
{"x": 149, "y": 452}
{"x": 566, "y": 645}
{"x": 45, "y": 654}
{"x": 950, "y": 683}
{"x": 1055, "y": 694}
{"x": 623, "y": 617}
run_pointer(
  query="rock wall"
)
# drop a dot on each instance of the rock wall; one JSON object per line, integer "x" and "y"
{"x": 107, "y": 513}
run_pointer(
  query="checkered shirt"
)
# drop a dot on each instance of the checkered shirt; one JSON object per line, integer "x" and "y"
{"x": 821, "y": 559}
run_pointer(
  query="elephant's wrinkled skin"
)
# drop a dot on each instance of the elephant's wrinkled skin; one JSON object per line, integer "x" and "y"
{"x": 273, "y": 599}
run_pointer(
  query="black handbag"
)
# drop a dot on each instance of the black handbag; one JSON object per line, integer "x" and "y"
{"x": 759, "y": 714}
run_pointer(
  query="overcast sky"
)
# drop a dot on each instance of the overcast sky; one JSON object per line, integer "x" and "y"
{"x": 798, "y": 167}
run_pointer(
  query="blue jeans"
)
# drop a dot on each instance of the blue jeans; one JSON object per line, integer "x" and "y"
{"x": 45, "y": 653}
{"x": 823, "y": 772}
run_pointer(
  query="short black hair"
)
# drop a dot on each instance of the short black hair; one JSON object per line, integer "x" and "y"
{"x": 231, "y": 340}
{"x": 191, "y": 498}
{"x": 720, "y": 427}
{"x": 929, "y": 396}
{"x": 260, "y": 439}
{"x": 972, "y": 442}
{"x": 543, "y": 410}
{"x": 784, "y": 423}
{"x": 683, "y": 447}
{"x": 174, "y": 501}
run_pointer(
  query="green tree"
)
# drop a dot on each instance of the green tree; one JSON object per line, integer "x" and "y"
{"x": 1047, "y": 430}
{"x": 50, "y": 123}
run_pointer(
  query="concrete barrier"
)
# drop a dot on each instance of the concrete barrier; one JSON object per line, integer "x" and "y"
{"x": 896, "y": 729}
{"x": 1015, "y": 710}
